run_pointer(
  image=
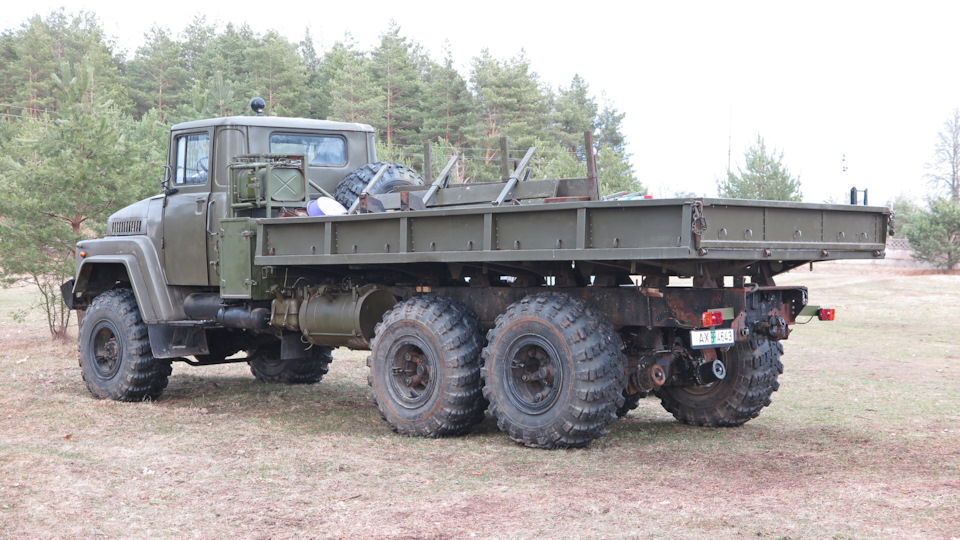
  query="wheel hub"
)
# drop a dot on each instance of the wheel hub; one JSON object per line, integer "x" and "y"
{"x": 411, "y": 370}
{"x": 106, "y": 351}
{"x": 534, "y": 375}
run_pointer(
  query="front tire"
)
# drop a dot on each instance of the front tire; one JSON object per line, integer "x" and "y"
{"x": 553, "y": 372}
{"x": 115, "y": 356}
{"x": 425, "y": 368}
{"x": 752, "y": 368}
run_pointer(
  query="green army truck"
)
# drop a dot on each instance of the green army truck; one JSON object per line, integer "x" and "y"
{"x": 538, "y": 301}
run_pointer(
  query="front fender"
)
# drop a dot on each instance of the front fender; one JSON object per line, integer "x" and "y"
{"x": 128, "y": 261}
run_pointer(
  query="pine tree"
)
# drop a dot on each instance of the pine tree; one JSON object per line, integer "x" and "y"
{"x": 61, "y": 177}
{"x": 935, "y": 235}
{"x": 345, "y": 78}
{"x": 278, "y": 76}
{"x": 314, "y": 98}
{"x": 194, "y": 41}
{"x": 448, "y": 109}
{"x": 608, "y": 127}
{"x": 394, "y": 70}
{"x": 765, "y": 177}
{"x": 225, "y": 66}
{"x": 30, "y": 57}
{"x": 576, "y": 112}
{"x": 616, "y": 173}
{"x": 156, "y": 74}
{"x": 510, "y": 102}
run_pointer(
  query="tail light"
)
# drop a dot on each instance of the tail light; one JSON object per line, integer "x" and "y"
{"x": 712, "y": 318}
{"x": 826, "y": 314}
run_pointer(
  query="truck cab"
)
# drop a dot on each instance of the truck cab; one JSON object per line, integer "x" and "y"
{"x": 165, "y": 248}
{"x": 198, "y": 162}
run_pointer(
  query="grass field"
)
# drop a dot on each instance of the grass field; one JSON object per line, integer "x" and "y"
{"x": 862, "y": 441}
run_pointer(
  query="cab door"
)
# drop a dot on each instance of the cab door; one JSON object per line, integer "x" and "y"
{"x": 185, "y": 209}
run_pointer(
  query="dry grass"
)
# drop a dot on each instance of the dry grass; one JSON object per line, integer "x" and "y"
{"x": 862, "y": 441}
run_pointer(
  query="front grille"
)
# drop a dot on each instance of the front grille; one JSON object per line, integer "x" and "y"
{"x": 126, "y": 226}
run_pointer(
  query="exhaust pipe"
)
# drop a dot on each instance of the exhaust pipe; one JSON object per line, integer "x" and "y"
{"x": 208, "y": 307}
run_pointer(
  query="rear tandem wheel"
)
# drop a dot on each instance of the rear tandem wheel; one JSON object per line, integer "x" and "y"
{"x": 425, "y": 367}
{"x": 553, "y": 372}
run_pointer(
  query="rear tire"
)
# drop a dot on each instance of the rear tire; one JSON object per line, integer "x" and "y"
{"x": 752, "y": 369}
{"x": 425, "y": 368}
{"x": 630, "y": 402}
{"x": 349, "y": 189}
{"x": 115, "y": 355}
{"x": 267, "y": 366}
{"x": 553, "y": 372}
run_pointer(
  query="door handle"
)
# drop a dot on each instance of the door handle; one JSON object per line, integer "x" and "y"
{"x": 210, "y": 211}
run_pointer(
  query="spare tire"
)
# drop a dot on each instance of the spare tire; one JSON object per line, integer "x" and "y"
{"x": 349, "y": 189}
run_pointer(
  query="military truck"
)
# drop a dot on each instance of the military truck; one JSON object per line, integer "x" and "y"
{"x": 538, "y": 301}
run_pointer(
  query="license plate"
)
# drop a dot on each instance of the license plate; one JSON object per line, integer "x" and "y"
{"x": 701, "y": 339}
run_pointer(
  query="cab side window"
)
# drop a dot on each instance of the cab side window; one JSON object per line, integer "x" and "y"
{"x": 193, "y": 159}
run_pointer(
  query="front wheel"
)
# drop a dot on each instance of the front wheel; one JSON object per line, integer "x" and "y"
{"x": 553, "y": 372}
{"x": 115, "y": 355}
{"x": 752, "y": 368}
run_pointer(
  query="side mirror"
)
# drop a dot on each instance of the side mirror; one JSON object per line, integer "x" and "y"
{"x": 165, "y": 183}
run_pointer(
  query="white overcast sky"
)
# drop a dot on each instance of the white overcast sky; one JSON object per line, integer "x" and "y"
{"x": 873, "y": 81}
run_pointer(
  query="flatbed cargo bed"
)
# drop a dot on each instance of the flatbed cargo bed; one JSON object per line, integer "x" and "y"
{"x": 667, "y": 233}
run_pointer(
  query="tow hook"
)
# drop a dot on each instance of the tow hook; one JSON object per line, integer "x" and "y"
{"x": 773, "y": 327}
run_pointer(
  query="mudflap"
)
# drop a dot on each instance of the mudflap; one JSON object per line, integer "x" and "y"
{"x": 292, "y": 347}
{"x": 168, "y": 341}
{"x": 66, "y": 290}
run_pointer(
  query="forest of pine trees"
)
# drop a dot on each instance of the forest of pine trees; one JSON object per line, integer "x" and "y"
{"x": 83, "y": 126}
{"x": 407, "y": 96}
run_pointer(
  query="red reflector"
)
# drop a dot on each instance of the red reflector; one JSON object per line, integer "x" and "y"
{"x": 826, "y": 314}
{"x": 711, "y": 318}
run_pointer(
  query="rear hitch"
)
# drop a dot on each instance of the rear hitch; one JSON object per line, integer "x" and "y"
{"x": 774, "y": 327}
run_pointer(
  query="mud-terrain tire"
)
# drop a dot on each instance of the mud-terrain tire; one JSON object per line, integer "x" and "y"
{"x": 752, "y": 369}
{"x": 553, "y": 372}
{"x": 267, "y": 367}
{"x": 425, "y": 368}
{"x": 630, "y": 402}
{"x": 349, "y": 189}
{"x": 115, "y": 356}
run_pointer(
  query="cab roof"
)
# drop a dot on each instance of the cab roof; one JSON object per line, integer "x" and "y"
{"x": 273, "y": 122}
